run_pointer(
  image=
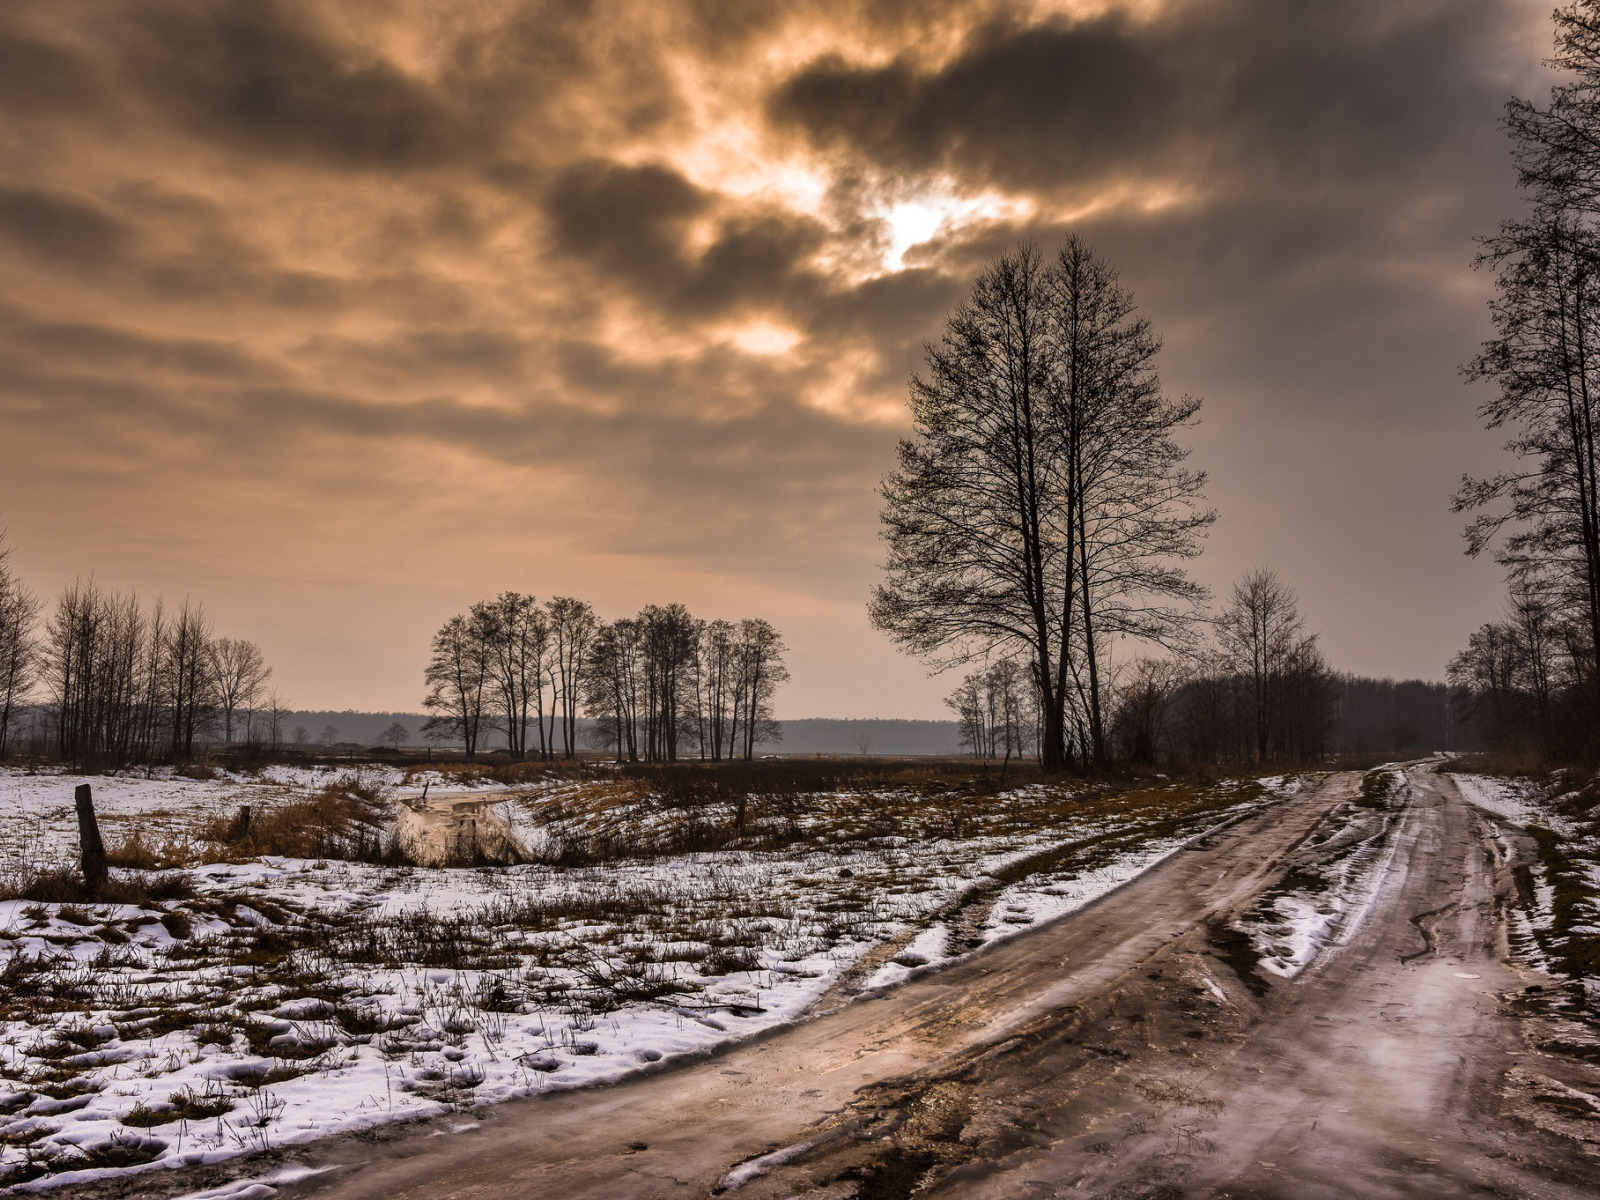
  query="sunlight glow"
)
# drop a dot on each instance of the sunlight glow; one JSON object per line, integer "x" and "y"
{"x": 763, "y": 338}
{"x": 942, "y": 213}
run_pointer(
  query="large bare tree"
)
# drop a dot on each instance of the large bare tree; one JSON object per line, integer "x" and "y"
{"x": 1042, "y": 504}
{"x": 514, "y": 633}
{"x": 1543, "y": 516}
{"x": 573, "y": 627}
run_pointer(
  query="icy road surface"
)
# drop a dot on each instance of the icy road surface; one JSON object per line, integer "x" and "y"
{"x": 1134, "y": 1048}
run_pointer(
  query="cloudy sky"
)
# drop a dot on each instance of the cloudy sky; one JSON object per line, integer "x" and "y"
{"x": 341, "y": 315}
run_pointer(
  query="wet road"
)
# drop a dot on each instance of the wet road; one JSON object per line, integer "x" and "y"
{"x": 1134, "y": 1049}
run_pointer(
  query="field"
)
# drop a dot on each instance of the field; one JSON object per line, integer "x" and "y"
{"x": 244, "y": 985}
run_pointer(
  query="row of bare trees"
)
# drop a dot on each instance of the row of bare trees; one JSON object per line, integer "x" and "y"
{"x": 1257, "y": 690}
{"x": 1041, "y": 506}
{"x": 120, "y": 682}
{"x": 514, "y": 666}
{"x": 1534, "y": 676}
{"x": 654, "y": 687}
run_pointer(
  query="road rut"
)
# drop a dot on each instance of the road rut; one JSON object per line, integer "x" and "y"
{"x": 1133, "y": 1049}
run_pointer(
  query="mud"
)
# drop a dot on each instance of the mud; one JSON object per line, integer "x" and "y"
{"x": 1130, "y": 1050}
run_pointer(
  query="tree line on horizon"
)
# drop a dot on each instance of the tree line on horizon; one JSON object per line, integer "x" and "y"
{"x": 655, "y": 687}
{"x": 1531, "y": 679}
{"x": 125, "y": 682}
{"x": 1255, "y": 689}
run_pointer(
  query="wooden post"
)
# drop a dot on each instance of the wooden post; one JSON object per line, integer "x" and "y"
{"x": 93, "y": 850}
{"x": 241, "y": 827}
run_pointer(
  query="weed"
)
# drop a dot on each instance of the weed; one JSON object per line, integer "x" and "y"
{"x": 1573, "y": 948}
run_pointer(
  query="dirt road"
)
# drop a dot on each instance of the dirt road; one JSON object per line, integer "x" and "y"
{"x": 1135, "y": 1049}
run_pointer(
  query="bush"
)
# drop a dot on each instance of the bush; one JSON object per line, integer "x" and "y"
{"x": 346, "y": 820}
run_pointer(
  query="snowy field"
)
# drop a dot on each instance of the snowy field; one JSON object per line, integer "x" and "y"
{"x": 38, "y": 825}
{"x": 240, "y": 1002}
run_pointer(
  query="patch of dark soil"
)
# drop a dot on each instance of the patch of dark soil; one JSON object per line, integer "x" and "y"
{"x": 895, "y": 1176}
{"x": 1378, "y": 789}
{"x": 1239, "y": 952}
{"x": 1522, "y": 877}
{"x": 1588, "y": 1052}
{"x": 1302, "y": 879}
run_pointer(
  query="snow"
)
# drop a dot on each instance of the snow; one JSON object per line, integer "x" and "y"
{"x": 1535, "y": 932}
{"x": 1297, "y": 925}
{"x": 1505, "y": 798}
{"x": 757, "y": 1167}
{"x": 309, "y": 997}
{"x": 38, "y": 821}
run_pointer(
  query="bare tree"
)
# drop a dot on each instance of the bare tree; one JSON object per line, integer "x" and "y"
{"x": 1288, "y": 684}
{"x": 975, "y": 515}
{"x": 1133, "y": 505}
{"x": 514, "y": 633}
{"x": 1258, "y": 629}
{"x": 669, "y": 640}
{"x": 1547, "y": 316}
{"x": 994, "y": 709}
{"x": 761, "y": 670}
{"x": 274, "y": 713}
{"x": 191, "y": 686}
{"x": 1509, "y": 678}
{"x": 458, "y": 677}
{"x": 1038, "y": 509}
{"x": 396, "y": 735}
{"x": 573, "y": 627}
{"x": 614, "y": 690}
{"x": 717, "y": 680}
{"x": 239, "y": 674}
{"x": 330, "y": 735}
{"x": 1544, "y": 516}
{"x": 19, "y": 651}
{"x": 1143, "y": 699}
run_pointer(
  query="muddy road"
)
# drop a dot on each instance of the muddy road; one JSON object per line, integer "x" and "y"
{"x": 1135, "y": 1049}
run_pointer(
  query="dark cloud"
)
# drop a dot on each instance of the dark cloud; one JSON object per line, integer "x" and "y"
{"x": 260, "y": 76}
{"x": 625, "y": 219}
{"x": 38, "y": 77}
{"x": 89, "y": 347}
{"x": 477, "y": 265}
{"x": 60, "y": 228}
{"x": 1018, "y": 104}
{"x": 633, "y": 223}
{"x": 1350, "y": 85}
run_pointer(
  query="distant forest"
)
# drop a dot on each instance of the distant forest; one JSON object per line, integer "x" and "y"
{"x": 1371, "y": 716}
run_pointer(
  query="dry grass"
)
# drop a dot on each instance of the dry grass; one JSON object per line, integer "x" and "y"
{"x": 574, "y": 943}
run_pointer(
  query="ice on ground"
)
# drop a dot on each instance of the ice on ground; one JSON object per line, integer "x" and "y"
{"x": 289, "y": 999}
{"x": 1505, "y": 798}
{"x": 1291, "y": 928}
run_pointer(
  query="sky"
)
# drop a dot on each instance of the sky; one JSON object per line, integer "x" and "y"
{"x": 339, "y": 316}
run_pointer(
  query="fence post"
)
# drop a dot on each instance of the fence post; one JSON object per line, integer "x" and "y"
{"x": 92, "y": 849}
